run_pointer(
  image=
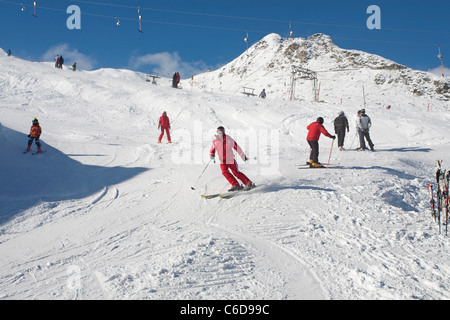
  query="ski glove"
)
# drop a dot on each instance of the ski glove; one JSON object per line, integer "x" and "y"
{"x": 245, "y": 158}
{"x": 213, "y": 158}
{"x": 333, "y": 137}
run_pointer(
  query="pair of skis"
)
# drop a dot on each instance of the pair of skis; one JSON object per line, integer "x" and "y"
{"x": 34, "y": 152}
{"x": 310, "y": 166}
{"x": 441, "y": 204}
{"x": 226, "y": 195}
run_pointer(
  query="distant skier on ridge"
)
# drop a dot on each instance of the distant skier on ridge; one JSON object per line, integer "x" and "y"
{"x": 224, "y": 145}
{"x": 175, "y": 80}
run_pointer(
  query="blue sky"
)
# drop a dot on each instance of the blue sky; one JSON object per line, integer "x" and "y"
{"x": 191, "y": 36}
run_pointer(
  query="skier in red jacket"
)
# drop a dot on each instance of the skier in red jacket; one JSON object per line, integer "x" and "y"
{"x": 224, "y": 146}
{"x": 164, "y": 125}
{"x": 315, "y": 129}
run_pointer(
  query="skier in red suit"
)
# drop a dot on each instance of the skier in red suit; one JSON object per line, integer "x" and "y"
{"x": 164, "y": 125}
{"x": 224, "y": 145}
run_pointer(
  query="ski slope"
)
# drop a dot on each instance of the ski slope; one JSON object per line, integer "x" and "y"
{"x": 107, "y": 213}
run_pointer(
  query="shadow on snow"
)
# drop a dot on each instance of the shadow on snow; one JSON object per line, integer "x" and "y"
{"x": 28, "y": 179}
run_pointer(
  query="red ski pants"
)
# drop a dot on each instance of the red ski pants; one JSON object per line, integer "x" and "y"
{"x": 162, "y": 134}
{"x": 235, "y": 170}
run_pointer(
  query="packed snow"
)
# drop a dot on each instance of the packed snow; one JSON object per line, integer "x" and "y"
{"x": 108, "y": 213}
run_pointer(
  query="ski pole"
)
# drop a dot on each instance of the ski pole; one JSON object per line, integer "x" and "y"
{"x": 330, "y": 153}
{"x": 42, "y": 145}
{"x": 201, "y": 174}
{"x": 177, "y": 116}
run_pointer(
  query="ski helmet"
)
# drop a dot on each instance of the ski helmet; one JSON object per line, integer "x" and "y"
{"x": 220, "y": 129}
{"x": 320, "y": 120}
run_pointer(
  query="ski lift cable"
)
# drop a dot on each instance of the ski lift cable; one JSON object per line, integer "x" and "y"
{"x": 210, "y": 27}
{"x": 143, "y": 20}
{"x": 248, "y": 18}
{"x": 259, "y": 19}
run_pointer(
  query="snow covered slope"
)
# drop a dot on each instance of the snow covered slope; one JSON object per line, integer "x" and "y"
{"x": 107, "y": 213}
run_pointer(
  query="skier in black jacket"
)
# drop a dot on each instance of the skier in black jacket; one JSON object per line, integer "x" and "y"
{"x": 340, "y": 126}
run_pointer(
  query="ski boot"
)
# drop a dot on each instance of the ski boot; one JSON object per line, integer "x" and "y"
{"x": 236, "y": 188}
{"x": 250, "y": 186}
{"x": 316, "y": 165}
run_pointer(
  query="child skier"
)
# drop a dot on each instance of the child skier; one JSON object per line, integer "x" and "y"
{"x": 35, "y": 133}
{"x": 164, "y": 125}
{"x": 315, "y": 129}
{"x": 224, "y": 146}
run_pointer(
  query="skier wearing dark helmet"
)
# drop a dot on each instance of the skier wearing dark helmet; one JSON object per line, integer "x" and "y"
{"x": 314, "y": 131}
{"x": 35, "y": 134}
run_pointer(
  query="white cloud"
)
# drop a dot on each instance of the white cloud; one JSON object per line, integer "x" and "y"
{"x": 166, "y": 63}
{"x": 70, "y": 56}
{"x": 438, "y": 71}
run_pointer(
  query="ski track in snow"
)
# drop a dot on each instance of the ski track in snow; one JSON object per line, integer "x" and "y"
{"x": 361, "y": 230}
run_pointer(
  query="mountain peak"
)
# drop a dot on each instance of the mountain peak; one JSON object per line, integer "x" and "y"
{"x": 321, "y": 38}
{"x": 269, "y": 64}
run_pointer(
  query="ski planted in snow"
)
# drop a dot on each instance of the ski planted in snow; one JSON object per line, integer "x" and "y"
{"x": 446, "y": 183}
{"x": 439, "y": 194}
{"x": 432, "y": 202}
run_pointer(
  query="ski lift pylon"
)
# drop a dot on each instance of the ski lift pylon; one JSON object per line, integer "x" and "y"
{"x": 140, "y": 19}
{"x": 291, "y": 33}
{"x": 246, "y": 39}
{"x": 34, "y": 8}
